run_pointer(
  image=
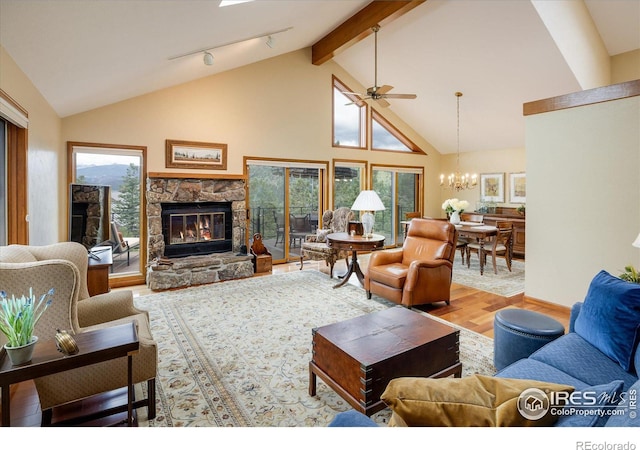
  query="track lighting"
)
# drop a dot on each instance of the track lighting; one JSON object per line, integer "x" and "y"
{"x": 208, "y": 57}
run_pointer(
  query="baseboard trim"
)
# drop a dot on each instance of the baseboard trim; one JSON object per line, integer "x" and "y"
{"x": 546, "y": 304}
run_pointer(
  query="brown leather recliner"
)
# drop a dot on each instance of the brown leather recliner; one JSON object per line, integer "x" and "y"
{"x": 420, "y": 271}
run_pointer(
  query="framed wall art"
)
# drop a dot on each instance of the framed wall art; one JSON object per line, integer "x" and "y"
{"x": 492, "y": 187}
{"x": 196, "y": 155}
{"x": 518, "y": 187}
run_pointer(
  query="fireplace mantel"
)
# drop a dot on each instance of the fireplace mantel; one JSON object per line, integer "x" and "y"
{"x": 203, "y": 176}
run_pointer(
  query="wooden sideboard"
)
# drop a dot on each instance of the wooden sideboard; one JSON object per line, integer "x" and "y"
{"x": 510, "y": 215}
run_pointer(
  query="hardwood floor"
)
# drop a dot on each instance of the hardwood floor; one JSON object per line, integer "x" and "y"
{"x": 470, "y": 308}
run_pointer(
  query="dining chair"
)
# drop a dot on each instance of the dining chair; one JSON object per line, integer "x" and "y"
{"x": 499, "y": 246}
{"x": 468, "y": 217}
{"x": 299, "y": 227}
{"x": 464, "y": 241}
{"x": 278, "y": 218}
{"x": 407, "y": 218}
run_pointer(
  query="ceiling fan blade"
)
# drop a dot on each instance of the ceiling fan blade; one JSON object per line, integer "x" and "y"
{"x": 383, "y": 89}
{"x": 408, "y": 96}
{"x": 359, "y": 102}
{"x": 382, "y": 102}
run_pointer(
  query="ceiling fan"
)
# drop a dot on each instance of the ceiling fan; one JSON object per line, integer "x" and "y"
{"x": 378, "y": 93}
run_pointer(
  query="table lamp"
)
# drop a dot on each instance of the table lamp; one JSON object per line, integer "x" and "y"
{"x": 636, "y": 243}
{"x": 367, "y": 201}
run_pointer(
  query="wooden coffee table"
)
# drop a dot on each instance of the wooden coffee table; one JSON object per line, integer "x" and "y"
{"x": 358, "y": 357}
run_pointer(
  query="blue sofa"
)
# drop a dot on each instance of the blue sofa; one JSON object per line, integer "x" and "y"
{"x": 572, "y": 360}
{"x": 599, "y": 356}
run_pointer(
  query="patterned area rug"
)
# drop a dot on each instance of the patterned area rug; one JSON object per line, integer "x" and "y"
{"x": 236, "y": 354}
{"x": 503, "y": 283}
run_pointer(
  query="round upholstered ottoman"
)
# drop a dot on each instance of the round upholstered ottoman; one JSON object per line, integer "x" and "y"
{"x": 517, "y": 333}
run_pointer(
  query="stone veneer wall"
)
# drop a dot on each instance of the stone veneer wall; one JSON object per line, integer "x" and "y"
{"x": 200, "y": 269}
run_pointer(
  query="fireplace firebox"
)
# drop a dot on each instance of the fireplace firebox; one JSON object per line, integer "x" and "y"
{"x": 197, "y": 228}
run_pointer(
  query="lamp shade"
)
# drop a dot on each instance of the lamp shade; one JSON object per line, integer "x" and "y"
{"x": 368, "y": 201}
{"x": 636, "y": 243}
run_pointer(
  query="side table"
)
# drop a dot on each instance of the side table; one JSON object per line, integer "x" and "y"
{"x": 95, "y": 346}
{"x": 100, "y": 262}
{"x": 356, "y": 243}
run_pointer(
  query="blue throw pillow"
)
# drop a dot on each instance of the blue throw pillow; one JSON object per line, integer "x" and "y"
{"x": 610, "y": 318}
{"x": 587, "y": 405}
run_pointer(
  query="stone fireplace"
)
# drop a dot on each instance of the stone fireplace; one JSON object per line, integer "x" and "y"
{"x": 196, "y": 228}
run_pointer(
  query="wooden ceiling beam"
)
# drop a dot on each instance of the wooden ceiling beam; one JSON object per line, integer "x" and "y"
{"x": 359, "y": 26}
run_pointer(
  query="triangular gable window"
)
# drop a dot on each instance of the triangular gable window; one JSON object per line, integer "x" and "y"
{"x": 384, "y": 136}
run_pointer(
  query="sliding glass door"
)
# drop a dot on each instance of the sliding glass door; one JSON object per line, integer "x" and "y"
{"x": 400, "y": 190}
{"x": 285, "y": 200}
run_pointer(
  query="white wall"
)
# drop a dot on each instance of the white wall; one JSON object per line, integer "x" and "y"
{"x": 583, "y": 197}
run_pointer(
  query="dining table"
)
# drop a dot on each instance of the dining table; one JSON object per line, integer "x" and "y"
{"x": 478, "y": 231}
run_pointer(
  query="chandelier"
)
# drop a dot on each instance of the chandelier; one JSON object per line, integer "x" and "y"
{"x": 458, "y": 181}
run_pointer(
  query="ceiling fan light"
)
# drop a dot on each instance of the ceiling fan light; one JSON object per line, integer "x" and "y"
{"x": 208, "y": 58}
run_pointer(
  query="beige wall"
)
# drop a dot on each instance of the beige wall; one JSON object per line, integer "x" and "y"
{"x": 46, "y": 160}
{"x": 490, "y": 161}
{"x": 625, "y": 67}
{"x": 279, "y": 108}
{"x": 583, "y": 186}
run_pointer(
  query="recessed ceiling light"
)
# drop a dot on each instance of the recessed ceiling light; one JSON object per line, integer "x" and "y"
{"x": 224, "y": 3}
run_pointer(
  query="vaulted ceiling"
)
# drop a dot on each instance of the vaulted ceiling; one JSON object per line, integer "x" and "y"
{"x": 85, "y": 54}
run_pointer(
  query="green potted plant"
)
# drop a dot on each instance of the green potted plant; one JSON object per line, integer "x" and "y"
{"x": 18, "y": 318}
{"x": 630, "y": 274}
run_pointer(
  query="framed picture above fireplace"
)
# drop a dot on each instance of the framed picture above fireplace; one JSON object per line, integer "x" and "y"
{"x": 196, "y": 155}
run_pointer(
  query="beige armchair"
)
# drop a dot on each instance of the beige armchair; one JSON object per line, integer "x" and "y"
{"x": 420, "y": 271}
{"x": 315, "y": 245}
{"x": 63, "y": 267}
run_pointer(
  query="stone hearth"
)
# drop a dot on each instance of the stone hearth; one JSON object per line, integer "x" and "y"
{"x": 195, "y": 270}
{"x": 201, "y": 269}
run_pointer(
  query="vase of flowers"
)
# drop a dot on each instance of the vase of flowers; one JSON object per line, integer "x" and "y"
{"x": 454, "y": 207}
{"x": 18, "y": 318}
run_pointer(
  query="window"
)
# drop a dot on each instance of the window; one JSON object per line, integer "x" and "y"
{"x": 348, "y": 181}
{"x": 349, "y": 119}
{"x": 3, "y": 177}
{"x": 122, "y": 168}
{"x": 16, "y": 123}
{"x": 400, "y": 190}
{"x": 384, "y": 136}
